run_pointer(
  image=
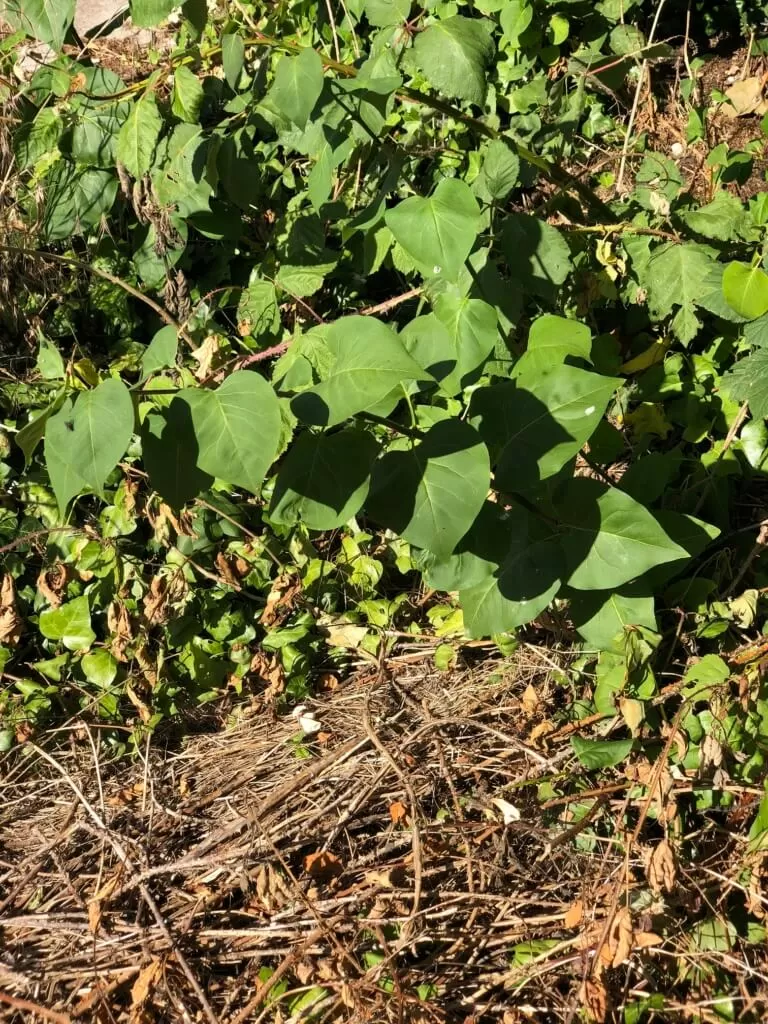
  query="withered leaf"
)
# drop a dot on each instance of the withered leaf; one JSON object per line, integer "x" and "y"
{"x": 11, "y": 623}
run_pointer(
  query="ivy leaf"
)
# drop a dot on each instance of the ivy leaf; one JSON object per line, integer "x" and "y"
{"x": 237, "y": 428}
{"x": 611, "y": 538}
{"x": 138, "y": 137}
{"x": 187, "y": 96}
{"x": 537, "y": 254}
{"x": 432, "y": 493}
{"x": 70, "y": 624}
{"x": 747, "y": 381}
{"x": 170, "y": 451}
{"x": 148, "y": 13}
{"x": 746, "y": 289}
{"x": 439, "y": 232}
{"x": 85, "y": 440}
{"x": 540, "y": 421}
{"x": 324, "y": 479}
{"x": 99, "y": 668}
{"x": 297, "y": 86}
{"x": 453, "y": 55}
{"x": 596, "y": 754}
{"x": 369, "y": 365}
{"x": 46, "y": 20}
{"x": 675, "y": 277}
{"x": 232, "y": 57}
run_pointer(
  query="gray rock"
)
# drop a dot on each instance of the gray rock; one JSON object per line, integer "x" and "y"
{"x": 90, "y": 15}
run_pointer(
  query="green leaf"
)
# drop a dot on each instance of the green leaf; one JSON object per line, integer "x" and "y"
{"x": 369, "y": 366}
{"x": 237, "y": 428}
{"x": 551, "y": 340}
{"x": 722, "y": 219}
{"x": 257, "y": 311}
{"x": 49, "y": 362}
{"x": 99, "y": 668}
{"x": 46, "y": 20}
{"x": 382, "y": 13}
{"x": 453, "y": 55}
{"x": 611, "y": 538}
{"x": 480, "y": 551}
{"x": 747, "y": 381}
{"x": 471, "y": 327}
{"x": 516, "y": 16}
{"x": 537, "y": 254}
{"x": 703, "y": 676}
{"x": 148, "y": 13}
{"x": 499, "y": 174}
{"x": 76, "y": 198}
{"x": 97, "y": 121}
{"x": 746, "y": 289}
{"x": 37, "y": 138}
{"x": 627, "y": 39}
{"x": 602, "y": 615}
{"x": 596, "y": 754}
{"x": 170, "y": 452}
{"x": 85, "y": 440}
{"x": 138, "y": 137}
{"x": 437, "y": 233}
{"x": 540, "y": 421}
{"x": 232, "y": 57}
{"x": 431, "y": 493}
{"x": 676, "y": 277}
{"x": 324, "y": 479}
{"x": 658, "y": 182}
{"x": 297, "y": 86}
{"x": 32, "y": 433}
{"x": 70, "y": 624}
{"x": 160, "y": 353}
{"x": 518, "y": 591}
{"x": 187, "y": 98}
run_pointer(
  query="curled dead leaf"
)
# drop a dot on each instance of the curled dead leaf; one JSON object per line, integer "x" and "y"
{"x": 142, "y": 988}
{"x": 120, "y": 629}
{"x": 661, "y": 870}
{"x": 323, "y": 866}
{"x": 594, "y": 998}
{"x": 52, "y": 583}
{"x": 11, "y": 623}
{"x": 163, "y": 592}
{"x": 281, "y": 599}
{"x": 226, "y": 571}
{"x": 530, "y": 700}
{"x": 398, "y": 812}
{"x": 574, "y": 915}
{"x": 617, "y": 948}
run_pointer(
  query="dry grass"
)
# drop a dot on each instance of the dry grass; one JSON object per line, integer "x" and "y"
{"x": 223, "y": 881}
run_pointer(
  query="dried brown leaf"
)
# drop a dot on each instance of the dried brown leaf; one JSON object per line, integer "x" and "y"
{"x": 143, "y": 986}
{"x": 398, "y": 812}
{"x": 594, "y": 998}
{"x": 120, "y": 628}
{"x": 207, "y": 356}
{"x": 530, "y": 700}
{"x": 745, "y": 97}
{"x": 574, "y": 915}
{"x": 52, "y": 583}
{"x": 323, "y": 866}
{"x": 661, "y": 870}
{"x": 617, "y": 949}
{"x": 11, "y": 623}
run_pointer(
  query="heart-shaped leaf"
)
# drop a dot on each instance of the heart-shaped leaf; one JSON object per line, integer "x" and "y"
{"x": 86, "y": 438}
{"x": 237, "y": 428}
{"x": 439, "y": 232}
{"x": 746, "y": 289}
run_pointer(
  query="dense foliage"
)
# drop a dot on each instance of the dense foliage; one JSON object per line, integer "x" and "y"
{"x": 324, "y": 309}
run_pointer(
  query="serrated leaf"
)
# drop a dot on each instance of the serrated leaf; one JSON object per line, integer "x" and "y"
{"x": 432, "y": 493}
{"x": 453, "y": 55}
{"x": 46, "y": 20}
{"x": 610, "y": 538}
{"x": 70, "y": 624}
{"x": 500, "y": 172}
{"x": 722, "y": 219}
{"x": 747, "y": 381}
{"x": 438, "y": 232}
{"x": 657, "y": 183}
{"x": 676, "y": 277}
{"x": 232, "y": 57}
{"x": 537, "y": 254}
{"x": 138, "y": 137}
{"x": 85, "y": 440}
{"x": 187, "y": 98}
{"x": 324, "y": 479}
{"x": 170, "y": 453}
{"x": 627, "y": 39}
{"x": 297, "y": 86}
{"x": 382, "y": 13}
{"x": 257, "y": 311}
{"x": 148, "y": 13}
{"x": 237, "y": 428}
{"x": 76, "y": 198}
{"x": 370, "y": 365}
{"x": 746, "y": 289}
{"x": 596, "y": 754}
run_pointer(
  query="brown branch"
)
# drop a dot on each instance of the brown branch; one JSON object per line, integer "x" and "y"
{"x": 384, "y": 307}
{"x": 29, "y": 1007}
